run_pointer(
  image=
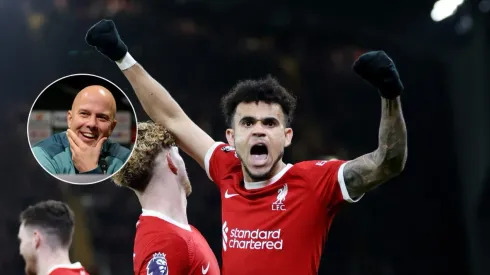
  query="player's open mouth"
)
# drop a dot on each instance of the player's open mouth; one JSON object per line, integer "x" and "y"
{"x": 258, "y": 154}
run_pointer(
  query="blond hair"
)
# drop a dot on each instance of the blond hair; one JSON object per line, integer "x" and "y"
{"x": 137, "y": 172}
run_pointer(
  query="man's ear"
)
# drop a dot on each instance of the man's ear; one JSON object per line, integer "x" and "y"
{"x": 230, "y": 136}
{"x": 171, "y": 164}
{"x": 288, "y": 133}
{"x": 69, "y": 117}
{"x": 114, "y": 123}
{"x": 37, "y": 239}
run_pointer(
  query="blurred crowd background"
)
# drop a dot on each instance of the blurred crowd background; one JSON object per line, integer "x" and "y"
{"x": 433, "y": 219}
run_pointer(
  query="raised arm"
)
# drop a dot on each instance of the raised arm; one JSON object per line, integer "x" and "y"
{"x": 370, "y": 170}
{"x": 164, "y": 110}
{"x": 155, "y": 99}
{"x": 388, "y": 160}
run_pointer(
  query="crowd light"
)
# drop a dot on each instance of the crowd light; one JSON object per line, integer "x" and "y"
{"x": 444, "y": 8}
{"x": 36, "y": 20}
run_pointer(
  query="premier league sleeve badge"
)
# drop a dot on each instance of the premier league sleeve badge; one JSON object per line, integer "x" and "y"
{"x": 157, "y": 265}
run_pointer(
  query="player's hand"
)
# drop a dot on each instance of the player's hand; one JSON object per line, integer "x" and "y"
{"x": 379, "y": 70}
{"x": 105, "y": 38}
{"x": 85, "y": 157}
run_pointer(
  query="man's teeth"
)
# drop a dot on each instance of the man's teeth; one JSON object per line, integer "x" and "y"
{"x": 88, "y": 135}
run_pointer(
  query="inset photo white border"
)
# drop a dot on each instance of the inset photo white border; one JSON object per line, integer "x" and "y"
{"x": 77, "y": 179}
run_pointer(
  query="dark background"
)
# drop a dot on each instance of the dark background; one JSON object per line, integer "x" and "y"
{"x": 60, "y": 94}
{"x": 433, "y": 219}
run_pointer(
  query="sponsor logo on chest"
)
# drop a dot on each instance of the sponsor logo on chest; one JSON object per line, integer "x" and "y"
{"x": 254, "y": 239}
{"x": 244, "y": 237}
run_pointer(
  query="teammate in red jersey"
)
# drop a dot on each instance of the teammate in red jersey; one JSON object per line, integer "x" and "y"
{"x": 45, "y": 236}
{"x": 165, "y": 243}
{"x": 275, "y": 215}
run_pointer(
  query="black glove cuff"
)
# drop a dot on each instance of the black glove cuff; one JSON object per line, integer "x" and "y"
{"x": 391, "y": 88}
{"x": 390, "y": 94}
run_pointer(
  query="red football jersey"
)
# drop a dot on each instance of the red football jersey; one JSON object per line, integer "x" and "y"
{"x": 280, "y": 228}
{"x": 166, "y": 247}
{"x": 69, "y": 269}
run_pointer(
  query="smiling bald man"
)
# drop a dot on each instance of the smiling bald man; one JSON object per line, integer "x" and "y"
{"x": 85, "y": 148}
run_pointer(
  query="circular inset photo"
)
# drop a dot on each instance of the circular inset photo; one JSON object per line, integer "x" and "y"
{"x": 82, "y": 129}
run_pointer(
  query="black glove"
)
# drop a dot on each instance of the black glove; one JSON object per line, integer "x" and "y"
{"x": 379, "y": 70}
{"x": 105, "y": 38}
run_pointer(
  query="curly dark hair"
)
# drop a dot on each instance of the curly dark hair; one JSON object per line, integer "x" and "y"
{"x": 137, "y": 172}
{"x": 266, "y": 90}
{"x": 54, "y": 217}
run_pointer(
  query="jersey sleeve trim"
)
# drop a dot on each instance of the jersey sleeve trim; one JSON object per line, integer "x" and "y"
{"x": 207, "y": 157}
{"x": 343, "y": 187}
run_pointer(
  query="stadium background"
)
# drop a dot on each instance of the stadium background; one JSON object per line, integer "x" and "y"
{"x": 434, "y": 219}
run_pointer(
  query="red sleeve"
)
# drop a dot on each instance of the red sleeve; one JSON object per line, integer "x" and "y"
{"x": 327, "y": 178}
{"x": 220, "y": 160}
{"x": 166, "y": 255}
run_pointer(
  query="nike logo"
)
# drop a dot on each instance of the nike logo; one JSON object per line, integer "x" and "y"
{"x": 227, "y": 196}
{"x": 205, "y": 270}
